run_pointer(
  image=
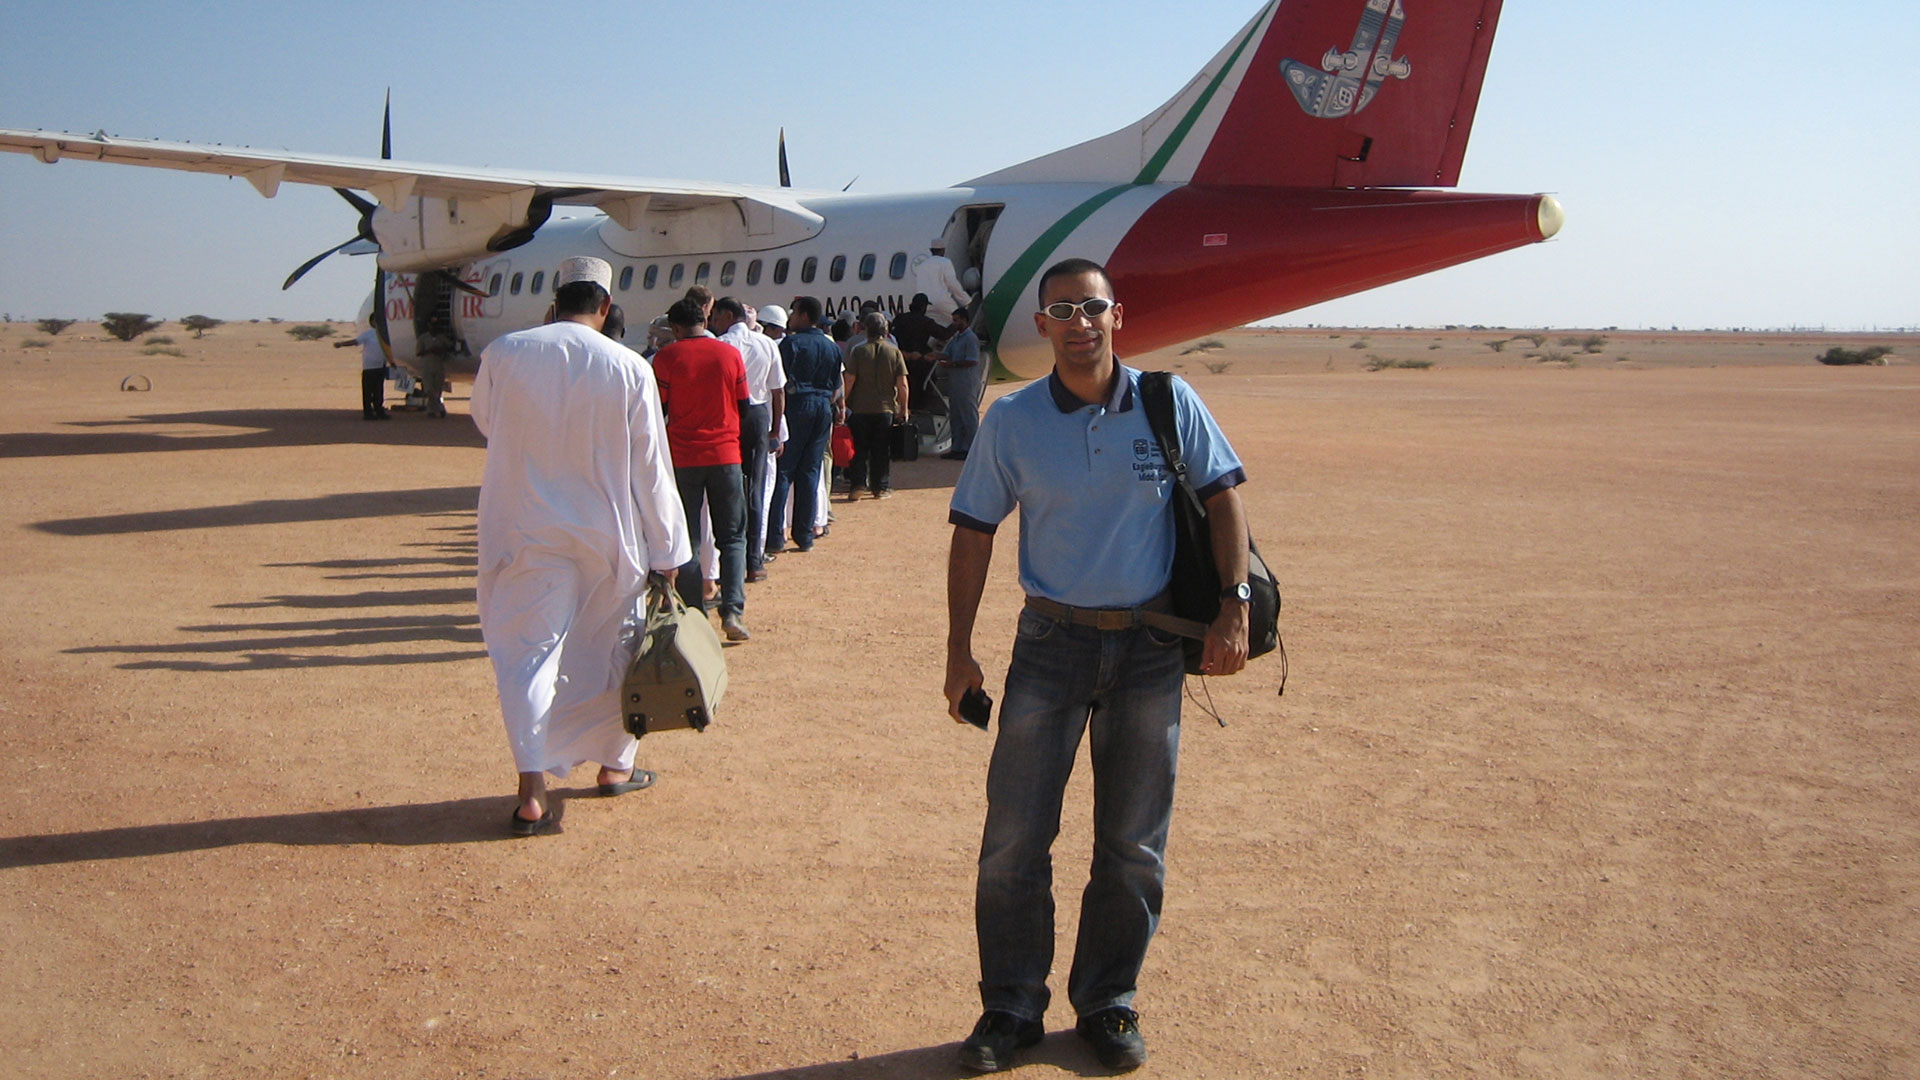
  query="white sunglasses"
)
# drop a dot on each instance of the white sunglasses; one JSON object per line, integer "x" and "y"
{"x": 1092, "y": 309}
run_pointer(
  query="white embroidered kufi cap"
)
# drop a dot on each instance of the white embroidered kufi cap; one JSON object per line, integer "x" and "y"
{"x": 584, "y": 268}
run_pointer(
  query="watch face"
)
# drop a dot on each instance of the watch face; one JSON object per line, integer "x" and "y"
{"x": 1242, "y": 591}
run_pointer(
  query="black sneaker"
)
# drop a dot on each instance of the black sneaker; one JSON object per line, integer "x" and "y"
{"x": 1115, "y": 1036}
{"x": 998, "y": 1034}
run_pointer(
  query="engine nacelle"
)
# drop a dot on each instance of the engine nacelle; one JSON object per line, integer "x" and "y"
{"x": 431, "y": 232}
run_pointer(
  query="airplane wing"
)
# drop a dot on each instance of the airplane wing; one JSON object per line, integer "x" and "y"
{"x": 392, "y": 183}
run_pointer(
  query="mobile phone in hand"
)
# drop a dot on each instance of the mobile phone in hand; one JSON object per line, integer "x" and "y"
{"x": 976, "y": 708}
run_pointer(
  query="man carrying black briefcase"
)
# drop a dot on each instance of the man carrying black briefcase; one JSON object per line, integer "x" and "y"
{"x": 876, "y": 391}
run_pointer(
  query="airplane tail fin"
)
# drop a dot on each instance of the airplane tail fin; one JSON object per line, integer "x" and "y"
{"x": 1311, "y": 93}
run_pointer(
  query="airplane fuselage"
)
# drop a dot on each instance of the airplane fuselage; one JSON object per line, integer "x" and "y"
{"x": 1298, "y": 166}
{"x": 1187, "y": 260}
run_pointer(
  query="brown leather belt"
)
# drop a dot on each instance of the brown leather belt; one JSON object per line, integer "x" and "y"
{"x": 1153, "y": 613}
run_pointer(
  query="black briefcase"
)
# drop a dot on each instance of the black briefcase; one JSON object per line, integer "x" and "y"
{"x": 903, "y": 441}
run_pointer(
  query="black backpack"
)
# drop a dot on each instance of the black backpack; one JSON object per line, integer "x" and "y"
{"x": 1196, "y": 584}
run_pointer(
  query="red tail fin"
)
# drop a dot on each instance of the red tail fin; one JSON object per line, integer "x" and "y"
{"x": 1311, "y": 93}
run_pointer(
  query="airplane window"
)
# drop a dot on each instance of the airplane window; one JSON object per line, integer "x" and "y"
{"x": 753, "y": 272}
{"x": 651, "y": 278}
{"x": 515, "y": 287}
{"x": 626, "y": 278}
{"x": 837, "y": 269}
{"x": 866, "y": 267}
{"x": 701, "y": 273}
{"x": 493, "y": 287}
{"x": 726, "y": 273}
{"x": 539, "y": 277}
{"x": 897, "y": 269}
{"x": 809, "y": 268}
{"x": 676, "y": 275}
{"x": 780, "y": 272}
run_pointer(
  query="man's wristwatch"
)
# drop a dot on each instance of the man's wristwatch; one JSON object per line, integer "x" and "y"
{"x": 1242, "y": 592}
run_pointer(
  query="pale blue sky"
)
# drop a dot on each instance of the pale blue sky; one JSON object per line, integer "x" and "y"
{"x": 1721, "y": 164}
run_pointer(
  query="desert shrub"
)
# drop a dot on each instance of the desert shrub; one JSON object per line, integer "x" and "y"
{"x": 1555, "y": 356}
{"x": 1382, "y": 363}
{"x": 1498, "y": 346}
{"x": 1538, "y": 340}
{"x": 1217, "y": 367}
{"x": 200, "y": 324}
{"x": 52, "y": 327}
{"x": 127, "y": 325}
{"x": 1433, "y": 346}
{"x": 310, "y": 331}
{"x": 35, "y": 343}
{"x": 159, "y": 339}
{"x": 1870, "y": 355}
{"x": 1593, "y": 343}
{"x": 1205, "y": 345}
{"x": 1361, "y": 344}
{"x": 161, "y": 350}
{"x": 1569, "y": 341}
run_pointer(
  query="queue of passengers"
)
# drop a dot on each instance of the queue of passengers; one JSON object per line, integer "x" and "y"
{"x": 805, "y": 388}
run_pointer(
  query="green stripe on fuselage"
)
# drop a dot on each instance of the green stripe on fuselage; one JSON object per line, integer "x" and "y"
{"x": 999, "y": 304}
{"x": 1168, "y": 148}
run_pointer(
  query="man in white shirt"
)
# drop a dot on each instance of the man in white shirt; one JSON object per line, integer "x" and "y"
{"x": 933, "y": 274}
{"x": 759, "y": 423}
{"x": 373, "y": 373}
{"x": 577, "y": 505}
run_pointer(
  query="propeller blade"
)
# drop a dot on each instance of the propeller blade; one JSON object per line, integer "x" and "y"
{"x": 378, "y": 317}
{"x": 386, "y": 128}
{"x": 850, "y": 183}
{"x": 786, "y": 178}
{"x": 313, "y": 262}
{"x": 365, "y": 206}
{"x": 538, "y": 211}
{"x": 463, "y": 286}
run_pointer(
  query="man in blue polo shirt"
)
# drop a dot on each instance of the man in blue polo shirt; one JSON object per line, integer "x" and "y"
{"x": 1075, "y": 455}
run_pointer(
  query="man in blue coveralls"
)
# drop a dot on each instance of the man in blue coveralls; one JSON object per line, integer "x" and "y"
{"x": 1075, "y": 454}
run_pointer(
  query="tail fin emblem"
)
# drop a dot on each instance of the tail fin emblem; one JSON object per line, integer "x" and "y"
{"x": 1345, "y": 82}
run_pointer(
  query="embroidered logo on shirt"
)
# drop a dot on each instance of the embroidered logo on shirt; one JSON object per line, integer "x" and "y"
{"x": 1148, "y": 465}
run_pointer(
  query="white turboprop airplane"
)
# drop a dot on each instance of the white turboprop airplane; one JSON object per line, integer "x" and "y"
{"x": 1286, "y": 173}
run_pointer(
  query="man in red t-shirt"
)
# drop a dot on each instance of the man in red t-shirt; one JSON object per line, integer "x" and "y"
{"x": 703, "y": 387}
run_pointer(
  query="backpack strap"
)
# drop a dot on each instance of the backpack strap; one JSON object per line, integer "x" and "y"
{"x": 1156, "y": 398}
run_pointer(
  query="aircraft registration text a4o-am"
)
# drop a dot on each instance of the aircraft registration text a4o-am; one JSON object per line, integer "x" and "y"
{"x": 1286, "y": 173}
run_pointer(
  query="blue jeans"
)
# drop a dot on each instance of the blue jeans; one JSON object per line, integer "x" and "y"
{"x": 965, "y": 387}
{"x": 809, "y": 423}
{"x": 1122, "y": 686}
{"x": 754, "y": 421}
{"x": 719, "y": 487}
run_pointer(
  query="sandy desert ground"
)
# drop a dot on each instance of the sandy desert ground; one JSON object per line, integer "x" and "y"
{"x": 1597, "y": 758}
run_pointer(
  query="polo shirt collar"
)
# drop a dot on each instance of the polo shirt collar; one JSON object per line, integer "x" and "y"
{"x": 1067, "y": 401}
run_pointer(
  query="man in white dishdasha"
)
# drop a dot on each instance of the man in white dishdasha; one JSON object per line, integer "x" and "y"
{"x": 577, "y": 505}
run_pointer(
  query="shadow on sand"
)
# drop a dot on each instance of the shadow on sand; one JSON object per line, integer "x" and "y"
{"x": 284, "y": 647}
{"x": 259, "y": 427}
{"x": 1061, "y": 1049}
{"x": 457, "y": 821}
{"x": 480, "y": 819}
{"x": 357, "y": 504}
